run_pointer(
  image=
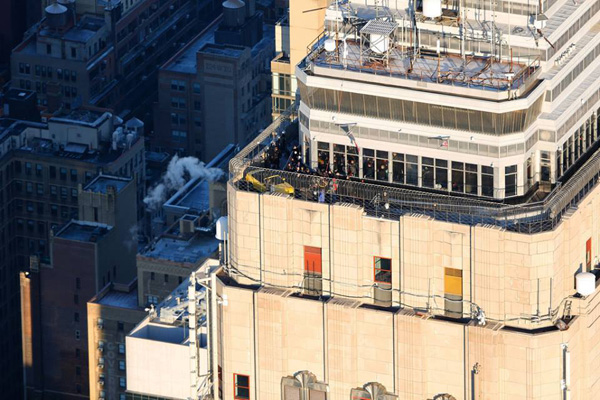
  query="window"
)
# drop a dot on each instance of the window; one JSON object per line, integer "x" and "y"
{"x": 76, "y": 299}
{"x": 54, "y": 209}
{"x": 453, "y": 292}
{"x": 197, "y": 88}
{"x": 77, "y": 352}
{"x": 151, "y": 276}
{"x": 120, "y": 326}
{"x": 77, "y": 283}
{"x": 197, "y": 105}
{"x": 180, "y": 280}
{"x": 178, "y": 102}
{"x": 166, "y": 278}
{"x": 122, "y": 365}
{"x": 40, "y": 189}
{"x": 63, "y": 174}
{"x": 77, "y": 334}
{"x": 312, "y": 270}
{"x": 241, "y": 389}
{"x": 74, "y": 194}
{"x": 382, "y": 270}
{"x": 74, "y": 175}
{"x": 48, "y": 49}
{"x": 177, "y": 85}
{"x": 76, "y": 317}
{"x": 487, "y": 181}
{"x": 122, "y": 396}
{"x": 52, "y": 171}
{"x": 152, "y": 299}
{"x": 177, "y": 134}
{"x": 121, "y": 348}
{"x": 28, "y": 168}
{"x": 122, "y": 382}
{"x": 38, "y": 169}
{"x": 73, "y": 52}
{"x": 510, "y": 180}
{"x": 78, "y": 370}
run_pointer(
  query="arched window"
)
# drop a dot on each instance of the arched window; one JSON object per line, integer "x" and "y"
{"x": 372, "y": 391}
{"x": 303, "y": 386}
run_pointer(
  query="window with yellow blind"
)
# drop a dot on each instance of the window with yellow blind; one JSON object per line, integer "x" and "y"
{"x": 453, "y": 292}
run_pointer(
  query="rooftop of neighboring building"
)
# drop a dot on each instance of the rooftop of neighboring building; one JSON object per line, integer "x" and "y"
{"x": 118, "y": 295}
{"x": 185, "y": 60}
{"x": 83, "y": 231}
{"x": 85, "y": 29}
{"x": 101, "y": 183}
{"x": 190, "y": 249}
{"x": 195, "y": 195}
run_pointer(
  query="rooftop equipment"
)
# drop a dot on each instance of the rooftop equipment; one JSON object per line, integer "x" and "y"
{"x": 585, "y": 283}
{"x": 432, "y": 8}
{"x": 56, "y": 15}
{"x": 234, "y": 13}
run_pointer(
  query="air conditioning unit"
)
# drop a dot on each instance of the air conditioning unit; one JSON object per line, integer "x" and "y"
{"x": 101, "y": 365}
{"x": 101, "y": 382}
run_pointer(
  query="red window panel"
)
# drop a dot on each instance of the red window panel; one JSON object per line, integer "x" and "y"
{"x": 312, "y": 260}
{"x": 382, "y": 270}
{"x": 588, "y": 254}
{"x": 241, "y": 387}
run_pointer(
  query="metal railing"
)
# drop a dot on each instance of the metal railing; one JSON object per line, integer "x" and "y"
{"x": 391, "y": 202}
{"x": 317, "y": 56}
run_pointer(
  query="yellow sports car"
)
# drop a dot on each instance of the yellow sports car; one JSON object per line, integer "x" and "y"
{"x": 274, "y": 183}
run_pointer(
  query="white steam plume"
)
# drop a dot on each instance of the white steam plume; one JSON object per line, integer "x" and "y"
{"x": 179, "y": 172}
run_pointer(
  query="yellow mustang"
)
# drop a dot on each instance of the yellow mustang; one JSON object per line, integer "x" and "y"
{"x": 274, "y": 182}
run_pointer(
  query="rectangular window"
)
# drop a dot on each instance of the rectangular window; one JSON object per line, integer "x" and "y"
{"x": 122, "y": 382}
{"x": 166, "y": 278}
{"x": 121, "y": 348}
{"x": 122, "y": 365}
{"x": 382, "y": 270}
{"x": 510, "y": 180}
{"x": 453, "y": 293}
{"x": 241, "y": 386}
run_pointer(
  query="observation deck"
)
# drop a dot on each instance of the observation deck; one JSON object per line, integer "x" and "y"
{"x": 254, "y": 170}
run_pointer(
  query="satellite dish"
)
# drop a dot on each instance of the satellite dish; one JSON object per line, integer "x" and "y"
{"x": 329, "y": 45}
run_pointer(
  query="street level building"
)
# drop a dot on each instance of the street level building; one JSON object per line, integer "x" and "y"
{"x": 86, "y": 256}
{"x": 215, "y": 90}
{"x": 111, "y": 314}
{"x": 41, "y": 166}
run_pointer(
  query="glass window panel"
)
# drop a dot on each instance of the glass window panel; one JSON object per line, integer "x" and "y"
{"x": 382, "y": 169}
{"x": 368, "y": 167}
{"x": 458, "y": 182}
{"x": 471, "y": 182}
{"x": 412, "y": 174}
{"x": 398, "y": 172}
{"x": 427, "y": 175}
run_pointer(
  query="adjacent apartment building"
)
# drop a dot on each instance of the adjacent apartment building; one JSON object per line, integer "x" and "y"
{"x": 440, "y": 240}
{"x": 103, "y": 53}
{"x": 215, "y": 91}
{"x": 41, "y": 166}
{"x": 87, "y": 255}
